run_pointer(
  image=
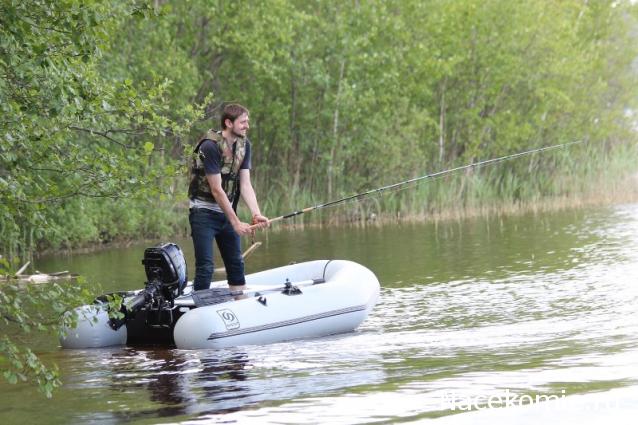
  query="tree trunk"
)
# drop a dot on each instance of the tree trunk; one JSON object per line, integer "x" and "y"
{"x": 442, "y": 123}
{"x": 335, "y": 132}
{"x": 294, "y": 133}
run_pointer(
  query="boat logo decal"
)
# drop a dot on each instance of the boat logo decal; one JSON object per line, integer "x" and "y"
{"x": 230, "y": 320}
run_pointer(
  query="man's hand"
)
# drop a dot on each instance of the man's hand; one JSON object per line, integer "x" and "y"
{"x": 242, "y": 229}
{"x": 260, "y": 221}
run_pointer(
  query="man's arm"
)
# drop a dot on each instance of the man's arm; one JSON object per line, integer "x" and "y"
{"x": 249, "y": 197}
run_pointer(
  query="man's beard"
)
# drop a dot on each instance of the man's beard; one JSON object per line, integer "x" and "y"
{"x": 235, "y": 134}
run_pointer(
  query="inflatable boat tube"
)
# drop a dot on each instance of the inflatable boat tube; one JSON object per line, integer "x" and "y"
{"x": 305, "y": 300}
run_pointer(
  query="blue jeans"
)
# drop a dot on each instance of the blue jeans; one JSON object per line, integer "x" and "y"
{"x": 207, "y": 225}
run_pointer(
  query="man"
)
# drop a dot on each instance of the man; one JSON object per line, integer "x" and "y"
{"x": 220, "y": 174}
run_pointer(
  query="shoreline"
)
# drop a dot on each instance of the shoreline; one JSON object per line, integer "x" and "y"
{"x": 450, "y": 214}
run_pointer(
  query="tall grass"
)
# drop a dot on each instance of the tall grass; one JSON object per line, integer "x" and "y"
{"x": 595, "y": 177}
{"x": 598, "y": 177}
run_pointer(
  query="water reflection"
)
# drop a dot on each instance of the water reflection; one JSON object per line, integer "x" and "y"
{"x": 153, "y": 383}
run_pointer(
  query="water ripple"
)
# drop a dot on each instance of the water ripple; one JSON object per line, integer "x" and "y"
{"x": 524, "y": 306}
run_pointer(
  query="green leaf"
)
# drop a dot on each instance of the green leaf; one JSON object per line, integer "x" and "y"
{"x": 148, "y": 148}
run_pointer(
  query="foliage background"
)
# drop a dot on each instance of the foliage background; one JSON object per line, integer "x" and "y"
{"x": 101, "y": 102}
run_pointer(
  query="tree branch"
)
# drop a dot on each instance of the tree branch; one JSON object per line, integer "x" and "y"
{"x": 103, "y": 134}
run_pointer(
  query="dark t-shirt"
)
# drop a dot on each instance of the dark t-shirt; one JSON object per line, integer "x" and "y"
{"x": 212, "y": 158}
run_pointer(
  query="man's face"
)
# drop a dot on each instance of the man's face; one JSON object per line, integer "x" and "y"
{"x": 240, "y": 126}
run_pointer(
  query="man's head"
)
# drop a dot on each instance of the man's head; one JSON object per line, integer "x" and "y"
{"x": 235, "y": 119}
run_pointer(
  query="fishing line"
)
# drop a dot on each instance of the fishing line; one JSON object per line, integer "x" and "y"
{"x": 402, "y": 185}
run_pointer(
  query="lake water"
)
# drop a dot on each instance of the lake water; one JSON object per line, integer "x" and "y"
{"x": 508, "y": 312}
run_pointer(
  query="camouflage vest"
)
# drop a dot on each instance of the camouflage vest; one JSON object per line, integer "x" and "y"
{"x": 232, "y": 158}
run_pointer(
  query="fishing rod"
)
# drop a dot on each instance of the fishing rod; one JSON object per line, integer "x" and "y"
{"x": 416, "y": 179}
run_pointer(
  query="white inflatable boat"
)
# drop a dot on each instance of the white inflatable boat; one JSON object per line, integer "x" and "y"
{"x": 304, "y": 300}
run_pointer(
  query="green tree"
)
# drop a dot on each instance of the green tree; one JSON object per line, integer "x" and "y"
{"x": 69, "y": 130}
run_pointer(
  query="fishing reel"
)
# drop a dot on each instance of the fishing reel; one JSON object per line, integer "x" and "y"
{"x": 166, "y": 276}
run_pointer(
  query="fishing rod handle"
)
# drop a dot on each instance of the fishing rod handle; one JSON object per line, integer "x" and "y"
{"x": 260, "y": 225}
{"x": 290, "y": 215}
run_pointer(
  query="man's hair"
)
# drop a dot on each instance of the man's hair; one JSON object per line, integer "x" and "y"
{"x": 231, "y": 112}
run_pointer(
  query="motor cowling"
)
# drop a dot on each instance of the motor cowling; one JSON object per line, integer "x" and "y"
{"x": 165, "y": 267}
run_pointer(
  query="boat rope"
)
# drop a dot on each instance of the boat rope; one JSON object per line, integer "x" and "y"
{"x": 434, "y": 175}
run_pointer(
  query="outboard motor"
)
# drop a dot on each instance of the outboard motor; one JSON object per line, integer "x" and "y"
{"x": 166, "y": 273}
{"x": 165, "y": 266}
